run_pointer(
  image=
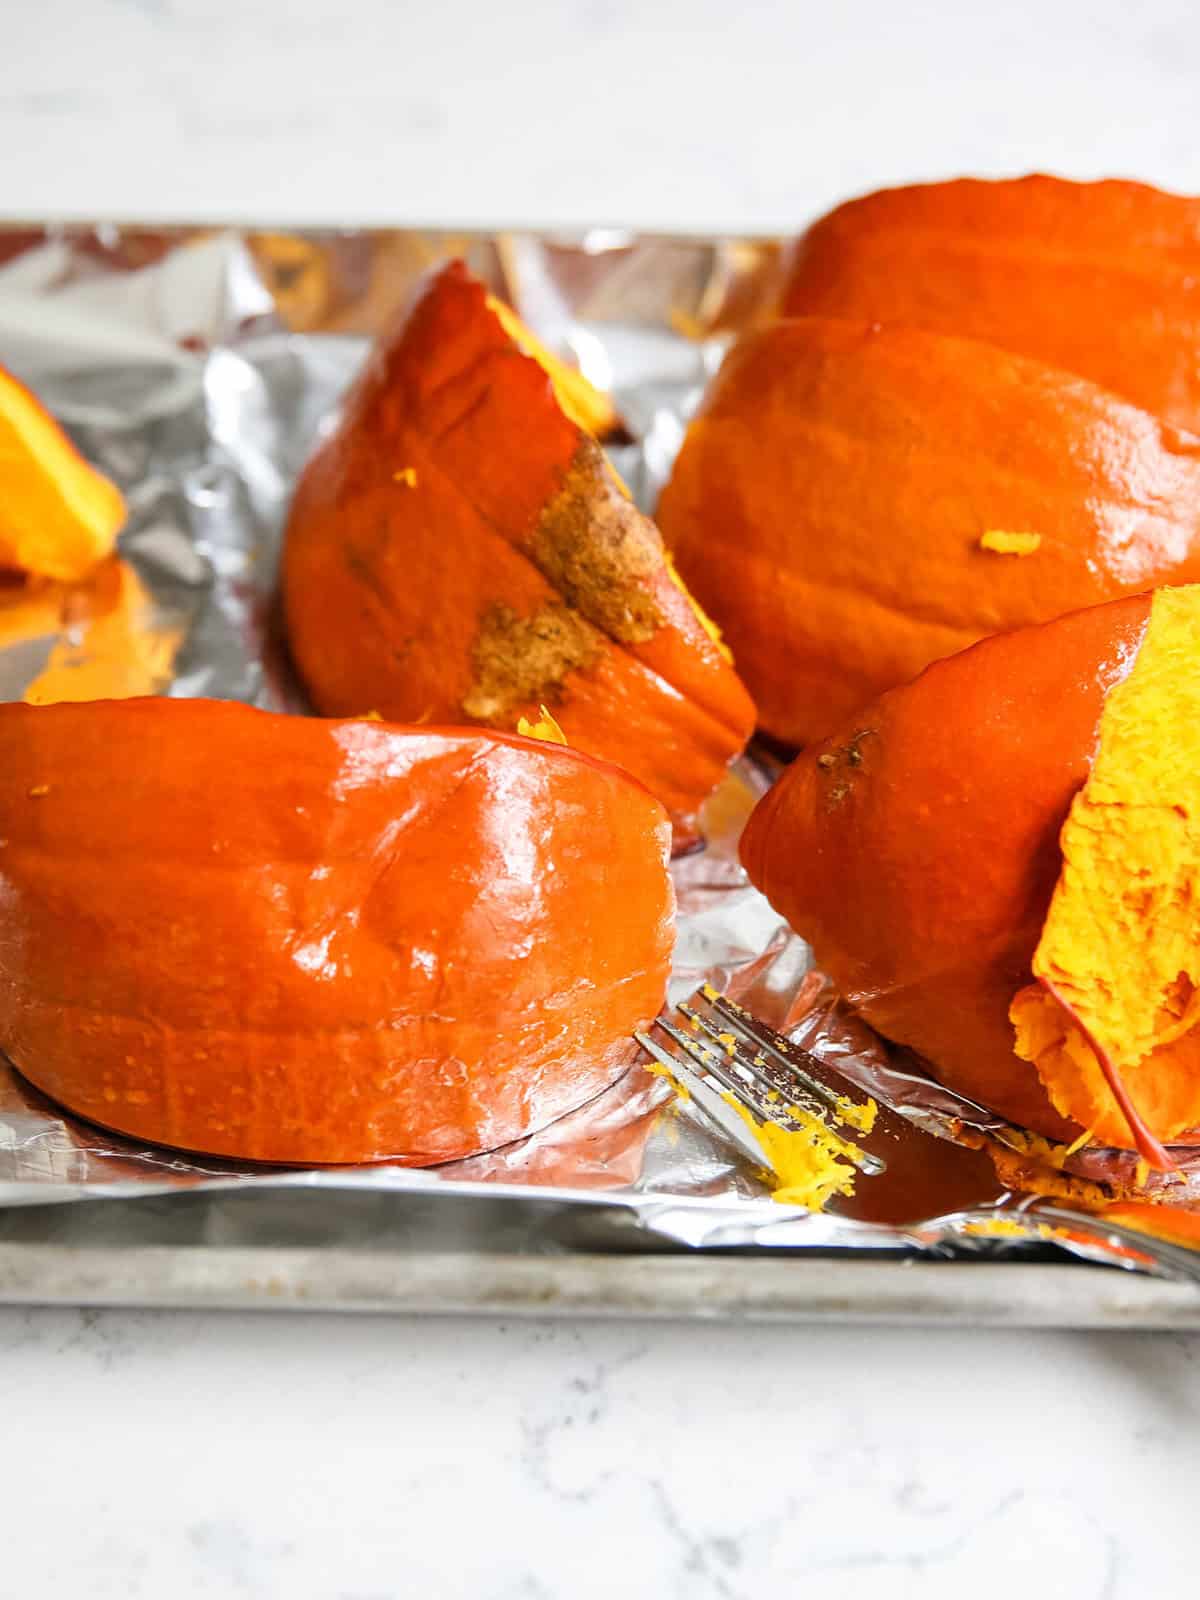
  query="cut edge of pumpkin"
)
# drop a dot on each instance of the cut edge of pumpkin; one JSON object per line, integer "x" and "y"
{"x": 545, "y": 728}
{"x": 585, "y": 405}
{"x": 1117, "y": 967}
{"x": 593, "y": 411}
{"x": 91, "y": 509}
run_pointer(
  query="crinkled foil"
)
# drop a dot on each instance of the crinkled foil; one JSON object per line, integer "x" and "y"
{"x": 197, "y": 367}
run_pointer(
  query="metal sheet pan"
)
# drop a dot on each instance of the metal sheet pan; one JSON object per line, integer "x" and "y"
{"x": 186, "y": 1251}
{"x": 197, "y": 365}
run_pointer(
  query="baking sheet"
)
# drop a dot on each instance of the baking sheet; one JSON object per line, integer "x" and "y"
{"x": 288, "y": 1251}
{"x": 197, "y": 366}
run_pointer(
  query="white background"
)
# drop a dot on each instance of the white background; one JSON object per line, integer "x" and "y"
{"x": 670, "y": 113}
{"x": 184, "y": 1455}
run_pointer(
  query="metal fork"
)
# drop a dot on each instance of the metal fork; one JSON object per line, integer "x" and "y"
{"x": 726, "y": 1052}
{"x": 731, "y": 1053}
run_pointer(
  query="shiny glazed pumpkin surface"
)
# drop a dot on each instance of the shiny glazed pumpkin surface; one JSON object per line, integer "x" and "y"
{"x": 297, "y": 940}
{"x": 855, "y": 501}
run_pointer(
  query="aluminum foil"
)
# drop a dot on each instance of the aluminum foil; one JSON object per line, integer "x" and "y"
{"x": 197, "y": 368}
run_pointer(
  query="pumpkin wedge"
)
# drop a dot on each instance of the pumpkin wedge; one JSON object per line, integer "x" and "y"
{"x": 999, "y": 865}
{"x": 853, "y": 502}
{"x": 58, "y": 515}
{"x": 294, "y": 940}
{"x": 458, "y": 549}
{"x": 1101, "y": 279}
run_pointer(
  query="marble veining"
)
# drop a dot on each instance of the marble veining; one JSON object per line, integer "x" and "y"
{"x": 369, "y": 1458}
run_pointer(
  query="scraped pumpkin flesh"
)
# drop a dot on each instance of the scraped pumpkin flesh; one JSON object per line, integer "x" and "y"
{"x": 58, "y": 515}
{"x": 1110, "y": 1022}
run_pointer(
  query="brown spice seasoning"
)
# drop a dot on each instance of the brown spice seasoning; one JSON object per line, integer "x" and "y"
{"x": 598, "y": 550}
{"x": 522, "y": 660}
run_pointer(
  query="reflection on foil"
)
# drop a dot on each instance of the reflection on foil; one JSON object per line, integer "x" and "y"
{"x": 106, "y": 638}
{"x": 197, "y": 367}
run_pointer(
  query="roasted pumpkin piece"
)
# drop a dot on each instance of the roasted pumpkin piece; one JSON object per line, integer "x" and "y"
{"x": 286, "y": 939}
{"x": 58, "y": 515}
{"x": 855, "y": 501}
{"x": 1101, "y": 279}
{"x": 578, "y": 397}
{"x": 1173, "y": 1223}
{"x": 458, "y": 549}
{"x": 1000, "y": 865}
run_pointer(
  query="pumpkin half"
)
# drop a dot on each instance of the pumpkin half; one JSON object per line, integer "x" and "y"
{"x": 853, "y": 502}
{"x": 58, "y": 515}
{"x": 459, "y": 549}
{"x": 295, "y": 940}
{"x": 1102, "y": 279}
{"x": 999, "y": 865}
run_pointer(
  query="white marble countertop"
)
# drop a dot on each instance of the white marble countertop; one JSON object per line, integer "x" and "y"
{"x": 149, "y": 1455}
{"x": 662, "y": 113}
{"x": 157, "y": 1454}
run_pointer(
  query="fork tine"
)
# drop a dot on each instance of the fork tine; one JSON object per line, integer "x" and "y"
{"x": 703, "y": 1054}
{"x": 789, "y": 1073}
{"x": 802, "y": 1091}
{"x": 796, "y": 1061}
{"x": 716, "y": 1064}
{"x": 767, "y": 1090}
{"x": 694, "y": 1079}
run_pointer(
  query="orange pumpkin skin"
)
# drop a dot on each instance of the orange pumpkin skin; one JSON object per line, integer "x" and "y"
{"x": 456, "y": 504}
{"x": 1102, "y": 279}
{"x": 1164, "y": 1221}
{"x": 918, "y": 849}
{"x": 293, "y": 940}
{"x": 829, "y": 503}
